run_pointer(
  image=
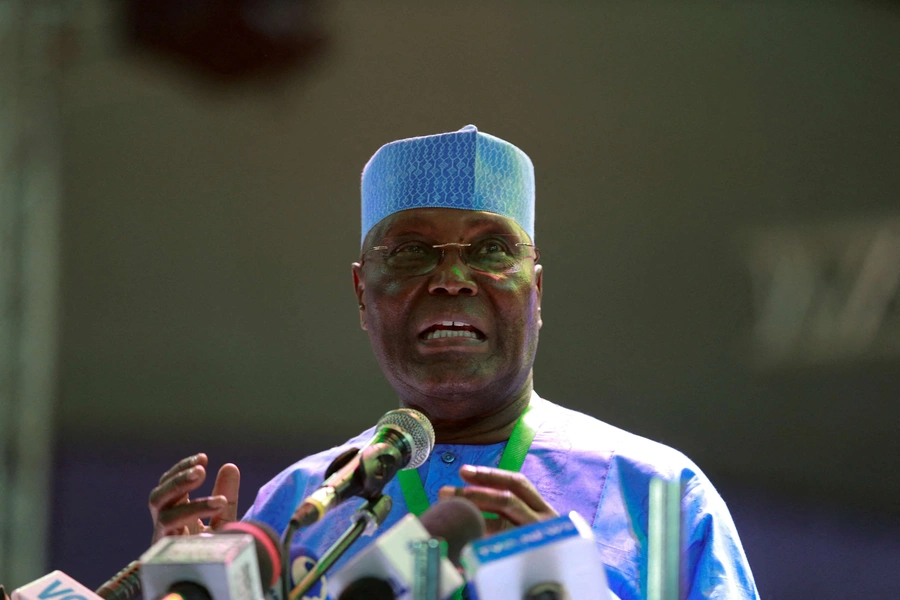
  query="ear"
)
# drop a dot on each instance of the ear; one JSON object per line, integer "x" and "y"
{"x": 539, "y": 288}
{"x": 359, "y": 286}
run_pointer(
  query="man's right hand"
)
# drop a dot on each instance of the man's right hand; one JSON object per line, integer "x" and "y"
{"x": 174, "y": 513}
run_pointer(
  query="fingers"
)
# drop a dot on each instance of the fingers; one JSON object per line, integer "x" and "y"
{"x": 514, "y": 482}
{"x": 508, "y": 494}
{"x": 174, "y": 489}
{"x": 502, "y": 502}
{"x": 187, "y": 515}
{"x": 185, "y": 464}
{"x": 228, "y": 483}
{"x": 171, "y": 508}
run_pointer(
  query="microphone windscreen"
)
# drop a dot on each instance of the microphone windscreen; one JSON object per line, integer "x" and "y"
{"x": 267, "y": 545}
{"x": 457, "y": 521}
{"x": 368, "y": 588}
{"x": 418, "y": 430}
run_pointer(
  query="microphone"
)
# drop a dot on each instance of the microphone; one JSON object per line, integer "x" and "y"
{"x": 549, "y": 560}
{"x": 390, "y": 558}
{"x": 403, "y": 440}
{"x": 126, "y": 584}
{"x": 54, "y": 585}
{"x": 239, "y": 562}
{"x": 456, "y": 521}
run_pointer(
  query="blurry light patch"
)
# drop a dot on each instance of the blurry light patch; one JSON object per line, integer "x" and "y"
{"x": 825, "y": 293}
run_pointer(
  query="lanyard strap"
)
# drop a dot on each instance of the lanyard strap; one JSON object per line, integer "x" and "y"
{"x": 511, "y": 460}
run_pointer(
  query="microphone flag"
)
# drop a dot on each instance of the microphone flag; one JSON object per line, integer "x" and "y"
{"x": 54, "y": 586}
{"x": 560, "y": 551}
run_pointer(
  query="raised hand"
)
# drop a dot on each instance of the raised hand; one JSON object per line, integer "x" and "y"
{"x": 173, "y": 511}
{"x": 510, "y": 495}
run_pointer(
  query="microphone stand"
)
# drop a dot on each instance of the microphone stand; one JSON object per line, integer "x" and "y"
{"x": 367, "y": 519}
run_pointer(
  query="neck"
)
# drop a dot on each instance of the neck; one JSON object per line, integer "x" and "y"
{"x": 485, "y": 428}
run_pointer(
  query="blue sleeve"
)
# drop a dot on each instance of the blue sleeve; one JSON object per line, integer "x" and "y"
{"x": 715, "y": 564}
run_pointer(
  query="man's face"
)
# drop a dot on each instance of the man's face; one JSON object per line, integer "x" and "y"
{"x": 455, "y": 341}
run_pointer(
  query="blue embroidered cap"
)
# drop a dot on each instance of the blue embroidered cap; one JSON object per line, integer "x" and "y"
{"x": 464, "y": 169}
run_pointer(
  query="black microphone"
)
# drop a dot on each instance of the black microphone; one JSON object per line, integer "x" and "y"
{"x": 455, "y": 520}
{"x": 403, "y": 440}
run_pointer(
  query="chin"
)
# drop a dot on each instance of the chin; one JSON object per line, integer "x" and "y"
{"x": 448, "y": 384}
{"x": 451, "y": 385}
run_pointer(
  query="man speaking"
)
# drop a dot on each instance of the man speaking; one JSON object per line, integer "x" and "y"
{"x": 449, "y": 290}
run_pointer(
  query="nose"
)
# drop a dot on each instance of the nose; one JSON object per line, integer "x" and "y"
{"x": 452, "y": 276}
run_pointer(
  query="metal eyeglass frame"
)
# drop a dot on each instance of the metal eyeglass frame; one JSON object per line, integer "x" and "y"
{"x": 459, "y": 247}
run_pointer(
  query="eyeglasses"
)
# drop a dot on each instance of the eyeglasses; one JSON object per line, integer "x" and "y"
{"x": 493, "y": 254}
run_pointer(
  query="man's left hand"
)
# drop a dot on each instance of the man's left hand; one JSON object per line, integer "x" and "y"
{"x": 510, "y": 495}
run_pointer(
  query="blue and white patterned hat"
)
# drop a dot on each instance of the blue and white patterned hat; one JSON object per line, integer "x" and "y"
{"x": 464, "y": 169}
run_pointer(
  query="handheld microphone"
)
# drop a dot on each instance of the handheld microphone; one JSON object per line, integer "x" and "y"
{"x": 548, "y": 560}
{"x": 390, "y": 558}
{"x": 403, "y": 440}
{"x": 54, "y": 585}
{"x": 239, "y": 562}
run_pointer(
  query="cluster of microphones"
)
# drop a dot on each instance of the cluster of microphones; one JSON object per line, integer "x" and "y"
{"x": 442, "y": 554}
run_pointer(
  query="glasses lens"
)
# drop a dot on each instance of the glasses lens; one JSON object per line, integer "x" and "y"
{"x": 411, "y": 257}
{"x": 493, "y": 255}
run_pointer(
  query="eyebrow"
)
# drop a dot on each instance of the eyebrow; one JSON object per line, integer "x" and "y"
{"x": 419, "y": 225}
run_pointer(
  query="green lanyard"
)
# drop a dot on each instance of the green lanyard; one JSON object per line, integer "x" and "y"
{"x": 511, "y": 460}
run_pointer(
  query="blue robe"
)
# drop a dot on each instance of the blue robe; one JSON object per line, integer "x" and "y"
{"x": 577, "y": 463}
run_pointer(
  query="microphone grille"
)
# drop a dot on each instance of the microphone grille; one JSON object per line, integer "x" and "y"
{"x": 418, "y": 430}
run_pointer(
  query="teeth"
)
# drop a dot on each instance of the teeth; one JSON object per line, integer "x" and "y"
{"x": 446, "y": 333}
{"x": 454, "y": 324}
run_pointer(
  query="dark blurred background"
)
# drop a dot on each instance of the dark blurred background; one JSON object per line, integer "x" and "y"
{"x": 717, "y": 213}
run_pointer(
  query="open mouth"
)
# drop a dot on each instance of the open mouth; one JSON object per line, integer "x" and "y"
{"x": 451, "y": 329}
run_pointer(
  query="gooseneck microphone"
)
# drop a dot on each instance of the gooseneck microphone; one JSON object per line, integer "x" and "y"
{"x": 403, "y": 439}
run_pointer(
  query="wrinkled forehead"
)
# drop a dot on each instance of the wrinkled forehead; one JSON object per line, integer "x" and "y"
{"x": 443, "y": 225}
